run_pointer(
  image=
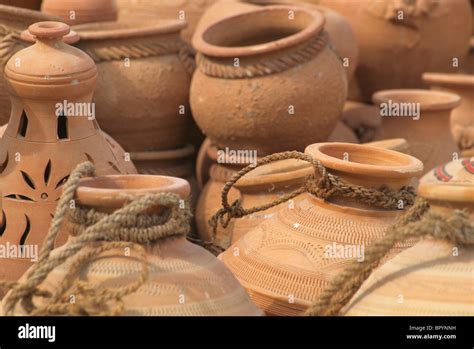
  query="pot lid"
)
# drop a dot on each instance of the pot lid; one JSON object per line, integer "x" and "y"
{"x": 50, "y": 61}
{"x": 452, "y": 182}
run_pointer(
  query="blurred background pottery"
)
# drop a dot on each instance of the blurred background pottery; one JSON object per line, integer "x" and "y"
{"x": 427, "y": 133}
{"x": 75, "y": 12}
{"x": 397, "y": 144}
{"x": 434, "y": 277}
{"x": 288, "y": 86}
{"x": 399, "y": 40}
{"x": 283, "y": 262}
{"x": 363, "y": 119}
{"x": 29, "y": 4}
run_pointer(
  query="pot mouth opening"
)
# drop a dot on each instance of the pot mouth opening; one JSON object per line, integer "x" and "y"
{"x": 128, "y": 29}
{"x": 364, "y": 159}
{"x": 443, "y": 79}
{"x": 263, "y": 30}
{"x": 428, "y": 99}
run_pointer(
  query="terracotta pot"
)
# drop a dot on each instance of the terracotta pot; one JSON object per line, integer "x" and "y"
{"x": 470, "y": 59}
{"x": 33, "y": 164}
{"x": 284, "y": 262}
{"x": 429, "y": 136}
{"x": 434, "y": 276}
{"x": 393, "y": 52}
{"x": 154, "y": 114}
{"x": 12, "y": 21}
{"x": 29, "y": 4}
{"x": 188, "y": 10}
{"x": 363, "y": 119}
{"x": 75, "y": 12}
{"x": 462, "y": 118}
{"x": 342, "y": 36}
{"x": 397, "y": 144}
{"x": 250, "y": 106}
{"x": 176, "y": 266}
{"x": 343, "y": 133}
{"x": 203, "y": 163}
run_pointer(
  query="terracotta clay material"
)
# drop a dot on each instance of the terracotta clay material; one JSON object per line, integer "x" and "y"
{"x": 13, "y": 20}
{"x": 343, "y": 133}
{"x": 397, "y": 144}
{"x": 203, "y": 163}
{"x": 462, "y": 118}
{"x": 41, "y": 145}
{"x": 75, "y": 12}
{"x": 394, "y": 52}
{"x": 434, "y": 276}
{"x": 363, "y": 119}
{"x": 176, "y": 266}
{"x": 284, "y": 262}
{"x": 29, "y": 4}
{"x": 289, "y": 85}
{"x": 429, "y": 136}
{"x": 154, "y": 115}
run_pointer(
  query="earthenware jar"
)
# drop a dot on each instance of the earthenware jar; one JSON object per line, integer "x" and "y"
{"x": 343, "y": 133}
{"x": 75, "y": 12}
{"x": 29, "y": 4}
{"x": 153, "y": 113}
{"x": 422, "y": 117}
{"x": 400, "y": 40}
{"x": 434, "y": 277}
{"x": 462, "y": 118}
{"x": 188, "y": 10}
{"x": 285, "y": 262}
{"x": 184, "y": 279}
{"x": 50, "y": 131}
{"x": 12, "y": 21}
{"x": 363, "y": 119}
{"x": 258, "y": 85}
{"x": 397, "y": 144}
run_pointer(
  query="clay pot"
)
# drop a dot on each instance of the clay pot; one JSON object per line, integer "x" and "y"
{"x": 144, "y": 82}
{"x": 176, "y": 266}
{"x": 342, "y": 36}
{"x": 343, "y": 133}
{"x": 397, "y": 144}
{"x": 434, "y": 276}
{"x": 39, "y": 149}
{"x": 363, "y": 119}
{"x": 429, "y": 136}
{"x": 462, "y": 118}
{"x": 263, "y": 100}
{"x": 393, "y": 52}
{"x": 203, "y": 163}
{"x": 75, "y": 12}
{"x": 188, "y": 10}
{"x": 29, "y": 4}
{"x": 284, "y": 262}
{"x": 12, "y": 21}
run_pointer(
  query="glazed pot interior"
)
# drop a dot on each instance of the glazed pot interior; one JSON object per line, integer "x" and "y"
{"x": 428, "y": 100}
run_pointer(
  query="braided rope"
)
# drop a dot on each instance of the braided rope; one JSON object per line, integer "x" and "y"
{"x": 286, "y": 61}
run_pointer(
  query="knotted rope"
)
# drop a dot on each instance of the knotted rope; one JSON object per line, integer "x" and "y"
{"x": 415, "y": 223}
{"x": 321, "y": 184}
{"x": 126, "y": 227}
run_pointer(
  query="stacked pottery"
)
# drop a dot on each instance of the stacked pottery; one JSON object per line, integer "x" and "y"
{"x": 183, "y": 279}
{"x": 462, "y": 118}
{"x": 12, "y": 21}
{"x": 399, "y": 40}
{"x": 285, "y": 262}
{"x": 422, "y": 117}
{"x": 266, "y": 82}
{"x": 143, "y": 91}
{"x": 75, "y": 12}
{"x": 44, "y": 141}
{"x": 434, "y": 277}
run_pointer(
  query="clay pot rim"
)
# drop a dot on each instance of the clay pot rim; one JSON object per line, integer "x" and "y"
{"x": 128, "y": 29}
{"x": 100, "y": 191}
{"x": 69, "y": 39}
{"x": 172, "y": 154}
{"x": 408, "y": 167}
{"x": 313, "y": 29}
{"x": 15, "y": 12}
{"x": 443, "y": 79}
{"x": 390, "y": 144}
{"x": 450, "y": 101}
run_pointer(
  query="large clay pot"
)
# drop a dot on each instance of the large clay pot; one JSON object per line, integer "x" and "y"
{"x": 188, "y": 10}
{"x": 144, "y": 82}
{"x": 29, "y": 4}
{"x": 399, "y": 40}
{"x": 434, "y": 277}
{"x": 289, "y": 85}
{"x": 184, "y": 279}
{"x": 462, "y": 118}
{"x": 41, "y": 145}
{"x": 428, "y": 134}
{"x": 363, "y": 119}
{"x": 75, "y": 12}
{"x": 342, "y": 36}
{"x": 284, "y": 263}
{"x": 12, "y": 21}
